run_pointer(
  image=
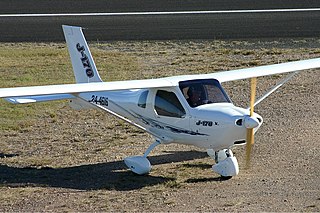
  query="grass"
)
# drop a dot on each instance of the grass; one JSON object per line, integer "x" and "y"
{"x": 27, "y": 64}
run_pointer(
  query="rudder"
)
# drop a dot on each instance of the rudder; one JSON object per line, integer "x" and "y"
{"x": 84, "y": 68}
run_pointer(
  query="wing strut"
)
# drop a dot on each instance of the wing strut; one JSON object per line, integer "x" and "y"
{"x": 282, "y": 82}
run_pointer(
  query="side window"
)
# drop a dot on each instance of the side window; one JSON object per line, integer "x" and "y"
{"x": 142, "y": 102}
{"x": 167, "y": 104}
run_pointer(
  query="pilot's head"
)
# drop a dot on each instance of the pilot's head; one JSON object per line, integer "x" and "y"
{"x": 194, "y": 95}
{"x": 194, "y": 90}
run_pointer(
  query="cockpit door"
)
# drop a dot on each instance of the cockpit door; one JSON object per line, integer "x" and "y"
{"x": 171, "y": 116}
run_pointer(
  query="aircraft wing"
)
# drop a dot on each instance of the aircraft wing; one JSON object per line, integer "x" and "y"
{"x": 23, "y": 92}
{"x": 265, "y": 70}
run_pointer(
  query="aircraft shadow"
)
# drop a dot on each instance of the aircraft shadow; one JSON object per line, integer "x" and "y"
{"x": 3, "y": 155}
{"x": 202, "y": 180}
{"x": 110, "y": 175}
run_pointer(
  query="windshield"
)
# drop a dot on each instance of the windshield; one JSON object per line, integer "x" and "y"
{"x": 205, "y": 91}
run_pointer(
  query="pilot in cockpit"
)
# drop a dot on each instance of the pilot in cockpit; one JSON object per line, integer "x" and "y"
{"x": 200, "y": 92}
{"x": 195, "y": 95}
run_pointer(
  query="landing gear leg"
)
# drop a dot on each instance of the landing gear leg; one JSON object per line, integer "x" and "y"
{"x": 226, "y": 164}
{"x": 140, "y": 164}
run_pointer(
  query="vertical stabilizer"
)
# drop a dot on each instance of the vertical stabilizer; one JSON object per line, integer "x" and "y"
{"x": 84, "y": 68}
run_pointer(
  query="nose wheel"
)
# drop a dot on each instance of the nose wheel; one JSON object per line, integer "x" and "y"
{"x": 226, "y": 164}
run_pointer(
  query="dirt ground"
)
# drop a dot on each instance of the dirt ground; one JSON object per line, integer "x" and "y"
{"x": 72, "y": 160}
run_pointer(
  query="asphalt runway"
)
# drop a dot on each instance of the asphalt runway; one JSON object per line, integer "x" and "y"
{"x": 242, "y": 25}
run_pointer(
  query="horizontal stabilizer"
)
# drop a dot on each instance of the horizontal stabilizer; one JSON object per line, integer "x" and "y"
{"x": 39, "y": 98}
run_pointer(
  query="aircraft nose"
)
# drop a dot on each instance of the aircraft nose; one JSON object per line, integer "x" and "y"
{"x": 251, "y": 122}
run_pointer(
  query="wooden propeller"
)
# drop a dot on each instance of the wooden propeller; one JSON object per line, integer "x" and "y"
{"x": 250, "y": 131}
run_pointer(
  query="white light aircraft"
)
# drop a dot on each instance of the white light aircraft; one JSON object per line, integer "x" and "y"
{"x": 189, "y": 109}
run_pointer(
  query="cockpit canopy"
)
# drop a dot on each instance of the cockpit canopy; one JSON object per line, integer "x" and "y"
{"x": 203, "y": 91}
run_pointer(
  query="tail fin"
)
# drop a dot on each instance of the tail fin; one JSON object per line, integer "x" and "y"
{"x": 84, "y": 68}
